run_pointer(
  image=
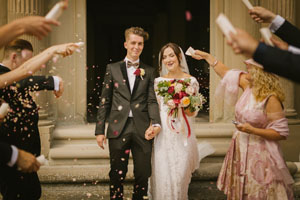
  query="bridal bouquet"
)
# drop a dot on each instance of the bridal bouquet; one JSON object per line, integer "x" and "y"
{"x": 180, "y": 95}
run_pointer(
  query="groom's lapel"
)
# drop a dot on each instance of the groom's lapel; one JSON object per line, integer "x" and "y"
{"x": 125, "y": 76}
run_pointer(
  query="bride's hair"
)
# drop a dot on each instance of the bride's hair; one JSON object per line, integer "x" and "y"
{"x": 265, "y": 84}
{"x": 176, "y": 50}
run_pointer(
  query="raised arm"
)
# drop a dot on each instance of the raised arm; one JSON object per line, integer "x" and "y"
{"x": 32, "y": 25}
{"x": 35, "y": 63}
{"x": 218, "y": 66}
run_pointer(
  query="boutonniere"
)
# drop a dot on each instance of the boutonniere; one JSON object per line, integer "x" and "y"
{"x": 140, "y": 72}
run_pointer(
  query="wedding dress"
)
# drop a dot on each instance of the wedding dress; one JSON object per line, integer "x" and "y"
{"x": 175, "y": 155}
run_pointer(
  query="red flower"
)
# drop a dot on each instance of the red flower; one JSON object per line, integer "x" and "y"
{"x": 180, "y": 81}
{"x": 176, "y": 101}
{"x": 182, "y": 94}
{"x": 137, "y": 72}
{"x": 171, "y": 90}
{"x": 176, "y": 96}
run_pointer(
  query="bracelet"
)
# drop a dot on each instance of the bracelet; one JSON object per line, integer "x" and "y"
{"x": 215, "y": 63}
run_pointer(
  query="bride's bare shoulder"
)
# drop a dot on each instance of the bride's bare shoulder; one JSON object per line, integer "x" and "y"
{"x": 185, "y": 75}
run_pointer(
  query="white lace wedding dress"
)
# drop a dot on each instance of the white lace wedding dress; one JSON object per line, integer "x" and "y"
{"x": 175, "y": 157}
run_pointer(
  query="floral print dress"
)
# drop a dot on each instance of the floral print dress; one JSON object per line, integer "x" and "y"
{"x": 253, "y": 167}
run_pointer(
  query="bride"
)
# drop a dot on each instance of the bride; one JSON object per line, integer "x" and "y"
{"x": 175, "y": 155}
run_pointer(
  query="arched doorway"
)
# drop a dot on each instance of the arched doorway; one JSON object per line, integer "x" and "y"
{"x": 184, "y": 22}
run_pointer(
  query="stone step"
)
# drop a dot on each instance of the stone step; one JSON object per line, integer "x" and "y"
{"x": 91, "y": 182}
{"x": 77, "y": 143}
{"x": 85, "y": 149}
{"x": 202, "y": 130}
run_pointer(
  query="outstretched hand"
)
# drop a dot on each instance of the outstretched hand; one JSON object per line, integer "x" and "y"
{"x": 36, "y": 25}
{"x": 65, "y": 49}
{"x": 261, "y": 15}
{"x": 27, "y": 162}
{"x": 61, "y": 88}
{"x": 243, "y": 43}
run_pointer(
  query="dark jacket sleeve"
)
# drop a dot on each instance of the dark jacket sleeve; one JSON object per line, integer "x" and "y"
{"x": 105, "y": 102}
{"x": 289, "y": 33}
{"x": 152, "y": 101}
{"x": 37, "y": 83}
{"x": 5, "y": 153}
{"x": 278, "y": 61}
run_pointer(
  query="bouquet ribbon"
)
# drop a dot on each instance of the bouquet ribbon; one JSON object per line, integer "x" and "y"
{"x": 172, "y": 127}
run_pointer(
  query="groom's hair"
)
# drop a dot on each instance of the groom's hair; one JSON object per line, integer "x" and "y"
{"x": 136, "y": 31}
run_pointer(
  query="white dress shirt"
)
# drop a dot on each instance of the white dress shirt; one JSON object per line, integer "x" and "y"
{"x": 14, "y": 156}
{"x": 131, "y": 77}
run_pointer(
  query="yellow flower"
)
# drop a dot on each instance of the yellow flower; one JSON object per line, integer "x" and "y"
{"x": 185, "y": 101}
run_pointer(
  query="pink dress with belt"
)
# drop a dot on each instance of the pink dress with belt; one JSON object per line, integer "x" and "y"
{"x": 253, "y": 167}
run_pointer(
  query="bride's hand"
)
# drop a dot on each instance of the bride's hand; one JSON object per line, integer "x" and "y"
{"x": 189, "y": 113}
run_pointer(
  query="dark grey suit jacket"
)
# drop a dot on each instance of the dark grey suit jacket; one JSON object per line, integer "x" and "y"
{"x": 6, "y": 152}
{"x": 117, "y": 100}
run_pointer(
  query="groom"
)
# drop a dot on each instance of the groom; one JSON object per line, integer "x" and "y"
{"x": 129, "y": 105}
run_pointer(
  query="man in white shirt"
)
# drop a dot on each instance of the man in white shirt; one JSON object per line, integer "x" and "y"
{"x": 129, "y": 105}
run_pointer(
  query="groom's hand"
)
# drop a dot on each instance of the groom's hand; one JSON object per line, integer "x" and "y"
{"x": 100, "y": 140}
{"x": 149, "y": 133}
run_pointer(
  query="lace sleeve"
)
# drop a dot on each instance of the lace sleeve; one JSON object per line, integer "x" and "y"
{"x": 228, "y": 88}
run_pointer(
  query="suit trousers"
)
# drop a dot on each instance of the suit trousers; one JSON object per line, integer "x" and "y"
{"x": 119, "y": 150}
{"x": 17, "y": 185}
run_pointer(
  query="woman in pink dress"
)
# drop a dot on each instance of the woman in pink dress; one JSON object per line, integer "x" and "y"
{"x": 253, "y": 167}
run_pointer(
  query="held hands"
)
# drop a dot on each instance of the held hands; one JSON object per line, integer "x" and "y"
{"x": 261, "y": 15}
{"x": 27, "y": 162}
{"x": 101, "y": 139}
{"x": 151, "y": 132}
{"x": 246, "y": 127}
{"x": 61, "y": 88}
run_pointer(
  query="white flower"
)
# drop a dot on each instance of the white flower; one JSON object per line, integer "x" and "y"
{"x": 190, "y": 90}
{"x": 142, "y": 72}
{"x": 171, "y": 104}
{"x": 178, "y": 87}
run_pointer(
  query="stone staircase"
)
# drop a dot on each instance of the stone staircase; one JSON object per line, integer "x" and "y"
{"x": 78, "y": 168}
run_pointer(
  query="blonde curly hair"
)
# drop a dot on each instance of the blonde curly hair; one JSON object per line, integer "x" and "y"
{"x": 264, "y": 84}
